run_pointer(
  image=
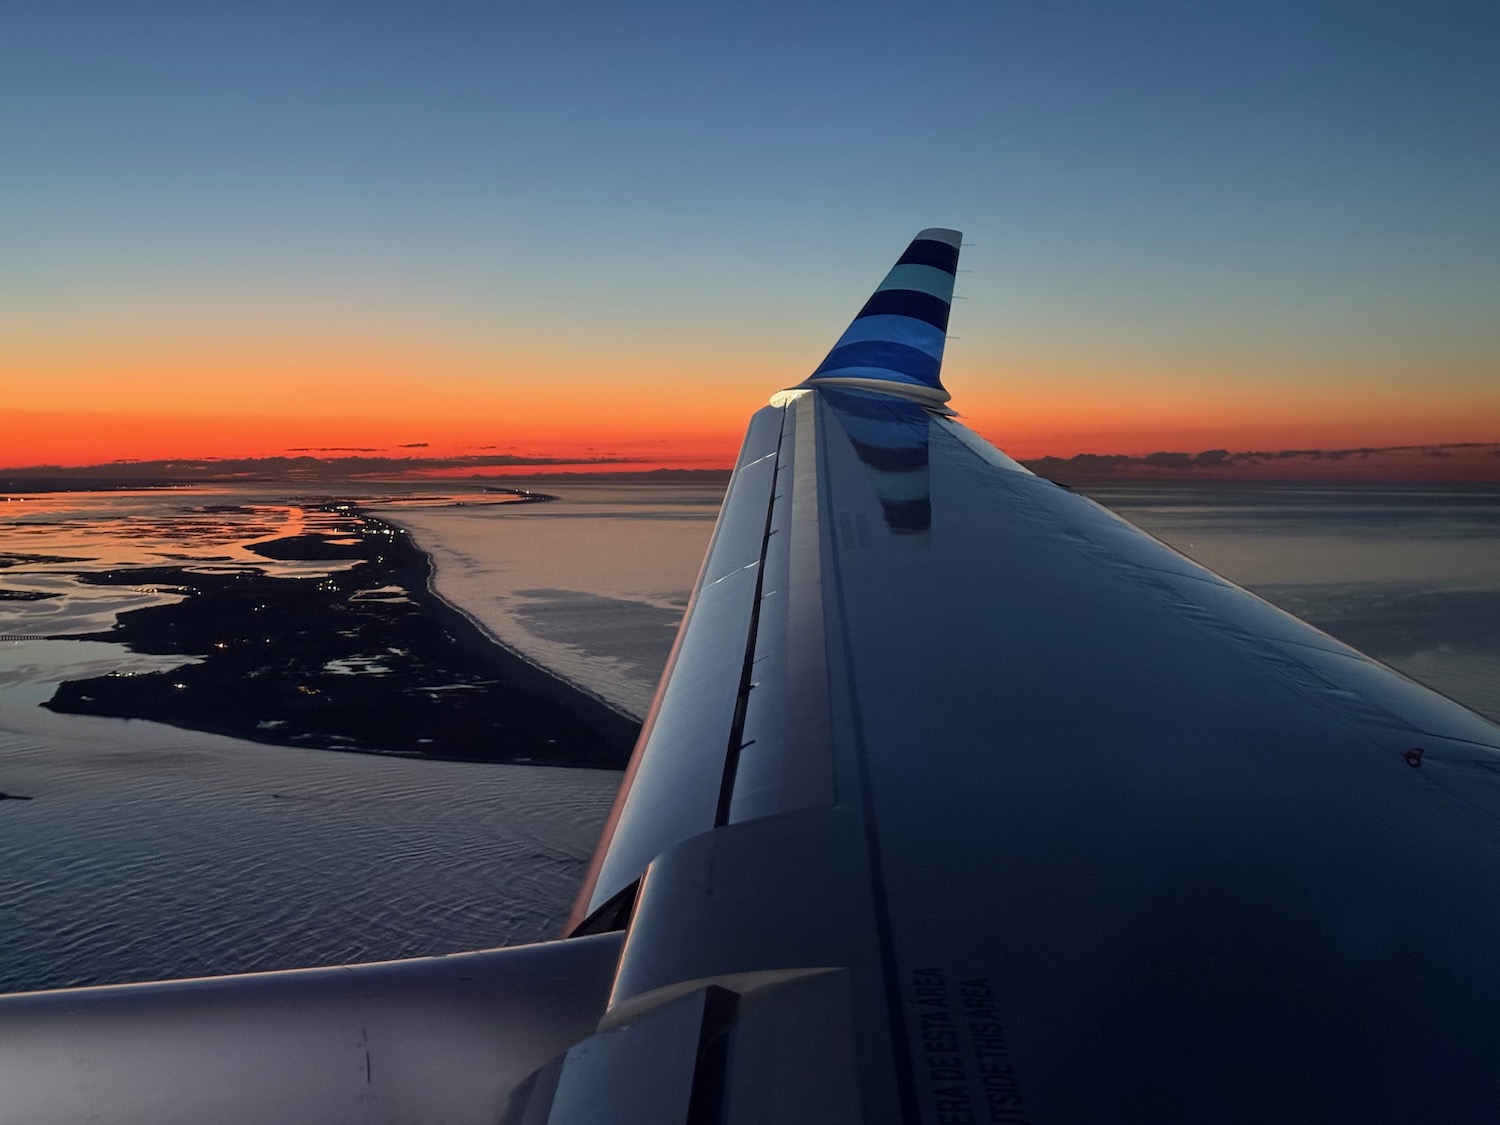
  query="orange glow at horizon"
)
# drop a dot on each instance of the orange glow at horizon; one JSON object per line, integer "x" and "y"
{"x": 68, "y": 439}
{"x": 1062, "y": 413}
{"x": 79, "y": 405}
{"x": 1039, "y": 429}
{"x": 127, "y": 395}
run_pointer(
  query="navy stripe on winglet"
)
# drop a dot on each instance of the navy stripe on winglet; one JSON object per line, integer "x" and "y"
{"x": 887, "y": 354}
{"x": 925, "y": 252}
{"x": 907, "y": 302}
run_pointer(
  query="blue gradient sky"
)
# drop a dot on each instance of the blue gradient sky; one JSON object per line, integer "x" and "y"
{"x": 1194, "y": 223}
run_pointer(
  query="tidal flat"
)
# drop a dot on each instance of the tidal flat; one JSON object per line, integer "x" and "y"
{"x": 163, "y": 831}
{"x": 364, "y": 657}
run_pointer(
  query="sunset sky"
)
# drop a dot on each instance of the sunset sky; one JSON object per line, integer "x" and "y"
{"x": 235, "y": 229}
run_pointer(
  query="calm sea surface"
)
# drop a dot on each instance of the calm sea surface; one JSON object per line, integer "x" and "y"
{"x": 148, "y": 852}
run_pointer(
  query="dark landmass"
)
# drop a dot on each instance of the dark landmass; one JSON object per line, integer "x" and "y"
{"x": 641, "y": 476}
{"x": 522, "y": 495}
{"x": 1395, "y": 464}
{"x": 302, "y": 468}
{"x": 314, "y": 547}
{"x": 428, "y": 500}
{"x": 51, "y": 479}
{"x": 25, "y": 596}
{"x": 365, "y": 659}
{"x": 1459, "y": 462}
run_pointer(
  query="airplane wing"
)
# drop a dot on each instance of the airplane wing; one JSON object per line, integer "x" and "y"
{"x": 962, "y": 801}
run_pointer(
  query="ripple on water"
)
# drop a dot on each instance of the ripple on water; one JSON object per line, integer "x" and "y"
{"x": 159, "y": 854}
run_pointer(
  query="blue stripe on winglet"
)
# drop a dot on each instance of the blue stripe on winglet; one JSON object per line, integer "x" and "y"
{"x": 896, "y": 330}
{"x": 883, "y": 354}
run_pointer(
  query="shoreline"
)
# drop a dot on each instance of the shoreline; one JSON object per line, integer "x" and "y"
{"x": 366, "y": 658}
{"x": 498, "y": 641}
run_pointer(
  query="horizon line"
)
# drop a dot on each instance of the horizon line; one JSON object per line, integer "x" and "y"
{"x": 1469, "y": 462}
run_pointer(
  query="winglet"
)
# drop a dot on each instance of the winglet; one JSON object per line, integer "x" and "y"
{"x": 896, "y": 342}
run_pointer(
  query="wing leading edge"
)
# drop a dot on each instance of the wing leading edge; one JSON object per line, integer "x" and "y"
{"x": 962, "y": 800}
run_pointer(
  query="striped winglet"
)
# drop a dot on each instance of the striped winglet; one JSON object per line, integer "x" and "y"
{"x": 897, "y": 338}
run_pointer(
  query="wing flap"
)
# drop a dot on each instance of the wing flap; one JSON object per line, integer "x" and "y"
{"x": 429, "y": 1040}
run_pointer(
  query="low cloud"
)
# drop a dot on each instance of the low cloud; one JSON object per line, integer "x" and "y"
{"x": 300, "y": 468}
{"x": 1455, "y": 461}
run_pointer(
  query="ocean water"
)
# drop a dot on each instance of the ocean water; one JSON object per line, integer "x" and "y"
{"x": 150, "y": 852}
{"x": 139, "y": 851}
{"x": 594, "y": 584}
{"x": 147, "y": 853}
{"x": 591, "y": 585}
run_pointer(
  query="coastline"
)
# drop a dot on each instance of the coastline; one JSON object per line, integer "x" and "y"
{"x": 592, "y": 588}
{"x": 365, "y": 657}
{"x": 573, "y": 687}
{"x": 189, "y": 845}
